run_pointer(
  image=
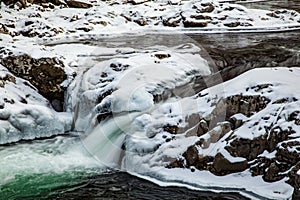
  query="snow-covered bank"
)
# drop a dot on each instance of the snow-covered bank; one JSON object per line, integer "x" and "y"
{"x": 111, "y": 17}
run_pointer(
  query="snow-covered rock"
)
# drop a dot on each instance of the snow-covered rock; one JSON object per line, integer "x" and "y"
{"x": 264, "y": 146}
{"x": 130, "y": 84}
{"x": 24, "y": 113}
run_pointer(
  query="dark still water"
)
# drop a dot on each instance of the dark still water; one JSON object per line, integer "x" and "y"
{"x": 120, "y": 185}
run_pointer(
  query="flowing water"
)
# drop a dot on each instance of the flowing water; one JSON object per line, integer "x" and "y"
{"x": 60, "y": 167}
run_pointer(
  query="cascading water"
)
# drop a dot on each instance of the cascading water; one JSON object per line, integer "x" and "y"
{"x": 107, "y": 138}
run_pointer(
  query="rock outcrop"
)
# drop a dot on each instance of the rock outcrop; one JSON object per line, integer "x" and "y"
{"x": 24, "y": 113}
{"x": 238, "y": 153}
{"x": 46, "y": 74}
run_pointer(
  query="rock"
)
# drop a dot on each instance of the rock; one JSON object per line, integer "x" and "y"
{"x": 260, "y": 166}
{"x": 162, "y": 56}
{"x": 201, "y": 17}
{"x": 219, "y": 131}
{"x": 294, "y": 180}
{"x": 192, "y": 121}
{"x": 295, "y": 116}
{"x": 172, "y": 22}
{"x": 141, "y": 22}
{"x": 272, "y": 174}
{"x": 247, "y": 148}
{"x": 3, "y": 29}
{"x": 25, "y": 3}
{"x": 137, "y": 2}
{"x": 46, "y": 74}
{"x": 289, "y": 152}
{"x": 207, "y": 8}
{"x": 232, "y": 24}
{"x": 178, "y": 163}
{"x": 236, "y": 122}
{"x": 78, "y": 4}
{"x": 245, "y": 105}
{"x": 8, "y": 78}
{"x": 191, "y": 156}
{"x": 194, "y": 23}
{"x": 202, "y": 128}
{"x": 222, "y": 166}
{"x": 171, "y": 129}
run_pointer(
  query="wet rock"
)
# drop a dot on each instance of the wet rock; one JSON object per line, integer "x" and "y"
{"x": 223, "y": 166}
{"x": 46, "y": 74}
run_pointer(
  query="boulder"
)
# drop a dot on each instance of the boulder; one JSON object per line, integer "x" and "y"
{"x": 78, "y": 4}
{"x": 223, "y": 166}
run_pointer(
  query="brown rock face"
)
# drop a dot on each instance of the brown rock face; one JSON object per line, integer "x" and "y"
{"x": 46, "y": 74}
{"x": 222, "y": 166}
{"x": 245, "y": 104}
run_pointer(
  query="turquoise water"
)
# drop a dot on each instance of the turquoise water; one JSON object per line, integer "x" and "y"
{"x": 44, "y": 167}
{"x": 42, "y": 185}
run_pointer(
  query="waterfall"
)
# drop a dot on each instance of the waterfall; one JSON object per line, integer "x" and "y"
{"x": 105, "y": 141}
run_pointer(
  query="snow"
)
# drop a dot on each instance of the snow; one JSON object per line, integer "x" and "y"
{"x": 253, "y": 187}
{"x": 153, "y": 164}
{"x": 107, "y": 19}
{"x": 26, "y": 114}
{"x": 143, "y": 76}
